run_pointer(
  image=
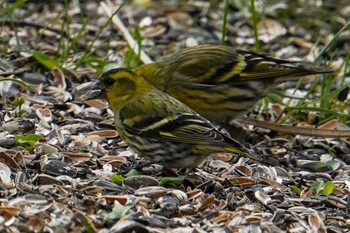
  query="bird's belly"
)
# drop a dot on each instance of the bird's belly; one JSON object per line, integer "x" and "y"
{"x": 169, "y": 154}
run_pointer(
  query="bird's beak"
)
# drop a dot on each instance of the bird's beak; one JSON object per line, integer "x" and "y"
{"x": 91, "y": 90}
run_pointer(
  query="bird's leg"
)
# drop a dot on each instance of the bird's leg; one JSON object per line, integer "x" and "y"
{"x": 233, "y": 129}
{"x": 170, "y": 172}
{"x": 225, "y": 123}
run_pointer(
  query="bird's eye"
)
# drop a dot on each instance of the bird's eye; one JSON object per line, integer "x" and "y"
{"x": 107, "y": 82}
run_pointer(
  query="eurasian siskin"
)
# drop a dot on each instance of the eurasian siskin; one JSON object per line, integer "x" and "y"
{"x": 158, "y": 126}
{"x": 219, "y": 82}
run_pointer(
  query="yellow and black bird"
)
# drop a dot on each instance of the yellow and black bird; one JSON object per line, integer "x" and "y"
{"x": 219, "y": 82}
{"x": 158, "y": 126}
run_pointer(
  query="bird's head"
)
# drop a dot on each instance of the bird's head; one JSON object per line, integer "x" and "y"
{"x": 118, "y": 86}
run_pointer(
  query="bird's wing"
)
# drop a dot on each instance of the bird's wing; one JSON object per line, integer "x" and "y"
{"x": 205, "y": 64}
{"x": 217, "y": 64}
{"x": 260, "y": 66}
{"x": 185, "y": 128}
{"x": 191, "y": 128}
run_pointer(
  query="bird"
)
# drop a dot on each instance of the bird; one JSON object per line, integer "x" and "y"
{"x": 157, "y": 126}
{"x": 221, "y": 83}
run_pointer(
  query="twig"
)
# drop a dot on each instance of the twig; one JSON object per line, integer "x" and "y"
{"x": 128, "y": 37}
{"x": 324, "y": 133}
{"x": 40, "y": 27}
{"x": 14, "y": 72}
{"x": 26, "y": 85}
{"x": 24, "y": 23}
